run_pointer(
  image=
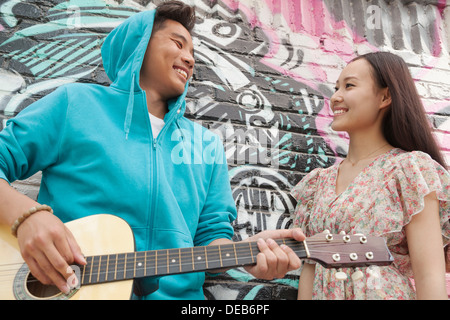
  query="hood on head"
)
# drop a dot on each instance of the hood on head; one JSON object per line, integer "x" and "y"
{"x": 123, "y": 53}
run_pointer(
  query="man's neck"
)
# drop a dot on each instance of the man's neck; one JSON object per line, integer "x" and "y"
{"x": 156, "y": 106}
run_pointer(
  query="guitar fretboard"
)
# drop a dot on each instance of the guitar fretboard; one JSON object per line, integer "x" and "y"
{"x": 123, "y": 266}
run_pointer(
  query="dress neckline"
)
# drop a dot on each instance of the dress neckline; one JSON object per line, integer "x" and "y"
{"x": 357, "y": 177}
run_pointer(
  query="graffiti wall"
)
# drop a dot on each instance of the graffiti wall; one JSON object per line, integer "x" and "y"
{"x": 265, "y": 70}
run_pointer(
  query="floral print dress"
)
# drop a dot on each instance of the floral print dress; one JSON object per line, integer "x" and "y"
{"x": 380, "y": 201}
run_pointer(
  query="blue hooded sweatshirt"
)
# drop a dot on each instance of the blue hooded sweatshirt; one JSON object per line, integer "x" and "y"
{"x": 95, "y": 148}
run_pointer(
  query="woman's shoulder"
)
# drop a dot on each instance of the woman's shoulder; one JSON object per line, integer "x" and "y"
{"x": 414, "y": 162}
{"x": 309, "y": 184}
{"x": 415, "y": 174}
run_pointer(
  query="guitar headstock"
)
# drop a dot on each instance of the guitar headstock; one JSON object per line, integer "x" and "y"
{"x": 341, "y": 250}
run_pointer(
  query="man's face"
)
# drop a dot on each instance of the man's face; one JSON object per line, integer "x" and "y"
{"x": 168, "y": 62}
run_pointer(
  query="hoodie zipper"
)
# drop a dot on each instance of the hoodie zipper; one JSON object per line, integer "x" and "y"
{"x": 153, "y": 179}
{"x": 154, "y": 171}
{"x": 166, "y": 125}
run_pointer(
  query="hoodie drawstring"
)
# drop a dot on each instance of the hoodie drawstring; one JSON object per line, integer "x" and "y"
{"x": 183, "y": 139}
{"x": 130, "y": 106}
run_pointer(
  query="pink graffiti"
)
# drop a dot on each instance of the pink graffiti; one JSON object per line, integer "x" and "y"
{"x": 1, "y": 28}
{"x": 313, "y": 19}
{"x": 325, "y": 33}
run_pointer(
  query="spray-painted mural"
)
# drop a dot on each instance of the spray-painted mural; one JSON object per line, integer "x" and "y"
{"x": 265, "y": 71}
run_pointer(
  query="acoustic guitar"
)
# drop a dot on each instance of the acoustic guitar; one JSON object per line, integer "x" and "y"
{"x": 112, "y": 264}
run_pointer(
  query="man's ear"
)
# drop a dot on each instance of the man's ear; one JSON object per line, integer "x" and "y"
{"x": 386, "y": 99}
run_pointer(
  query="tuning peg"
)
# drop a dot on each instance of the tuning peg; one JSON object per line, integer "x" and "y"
{"x": 326, "y": 231}
{"x": 373, "y": 272}
{"x": 342, "y": 232}
{"x": 357, "y": 275}
{"x": 341, "y": 276}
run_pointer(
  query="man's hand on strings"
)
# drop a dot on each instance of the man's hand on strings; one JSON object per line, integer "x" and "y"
{"x": 48, "y": 248}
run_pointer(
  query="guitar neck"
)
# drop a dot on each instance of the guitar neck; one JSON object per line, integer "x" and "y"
{"x": 124, "y": 266}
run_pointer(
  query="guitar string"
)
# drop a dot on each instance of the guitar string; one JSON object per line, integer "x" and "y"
{"x": 163, "y": 265}
{"x": 174, "y": 253}
{"x": 99, "y": 274}
{"x": 188, "y": 252}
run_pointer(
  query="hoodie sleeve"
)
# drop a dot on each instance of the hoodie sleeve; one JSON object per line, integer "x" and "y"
{"x": 29, "y": 142}
{"x": 219, "y": 209}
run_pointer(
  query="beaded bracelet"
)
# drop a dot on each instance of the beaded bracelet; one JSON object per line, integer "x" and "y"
{"x": 27, "y": 214}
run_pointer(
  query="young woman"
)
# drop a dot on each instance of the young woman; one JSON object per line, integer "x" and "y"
{"x": 393, "y": 183}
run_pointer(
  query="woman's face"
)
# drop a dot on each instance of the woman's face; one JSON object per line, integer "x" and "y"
{"x": 357, "y": 102}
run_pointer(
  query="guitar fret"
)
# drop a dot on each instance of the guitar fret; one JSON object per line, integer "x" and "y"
{"x": 199, "y": 258}
{"x": 121, "y": 266}
{"x": 87, "y": 270}
{"x": 186, "y": 260}
{"x": 156, "y": 262}
{"x": 162, "y": 262}
{"x": 83, "y": 274}
{"x": 139, "y": 265}
{"x": 107, "y": 266}
{"x": 112, "y": 267}
{"x": 134, "y": 266}
{"x": 98, "y": 271}
{"x": 151, "y": 263}
{"x": 115, "y": 267}
{"x": 92, "y": 269}
{"x": 220, "y": 257}
{"x": 214, "y": 259}
{"x": 130, "y": 265}
{"x": 179, "y": 258}
{"x": 103, "y": 269}
{"x": 228, "y": 255}
{"x": 173, "y": 261}
{"x": 125, "y": 265}
{"x": 145, "y": 263}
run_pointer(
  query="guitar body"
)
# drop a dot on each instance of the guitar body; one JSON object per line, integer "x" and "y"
{"x": 97, "y": 234}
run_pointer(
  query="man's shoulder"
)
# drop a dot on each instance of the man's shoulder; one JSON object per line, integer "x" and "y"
{"x": 79, "y": 87}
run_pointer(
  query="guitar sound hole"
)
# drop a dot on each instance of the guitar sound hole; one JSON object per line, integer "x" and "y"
{"x": 39, "y": 290}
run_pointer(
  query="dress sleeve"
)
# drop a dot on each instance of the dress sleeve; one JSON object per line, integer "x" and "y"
{"x": 416, "y": 176}
{"x": 304, "y": 192}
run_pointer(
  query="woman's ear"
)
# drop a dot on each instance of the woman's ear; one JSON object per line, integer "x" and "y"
{"x": 386, "y": 99}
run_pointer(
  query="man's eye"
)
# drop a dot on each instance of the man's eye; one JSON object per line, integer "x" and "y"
{"x": 348, "y": 85}
{"x": 178, "y": 43}
{"x": 336, "y": 89}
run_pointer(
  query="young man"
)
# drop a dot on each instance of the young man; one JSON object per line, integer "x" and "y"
{"x": 112, "y": 150}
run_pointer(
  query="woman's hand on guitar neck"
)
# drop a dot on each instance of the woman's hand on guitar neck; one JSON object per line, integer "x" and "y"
{"x": 49, "y": 249}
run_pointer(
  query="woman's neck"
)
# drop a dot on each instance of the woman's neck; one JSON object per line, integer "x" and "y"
{"x": 367, "y": 146}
